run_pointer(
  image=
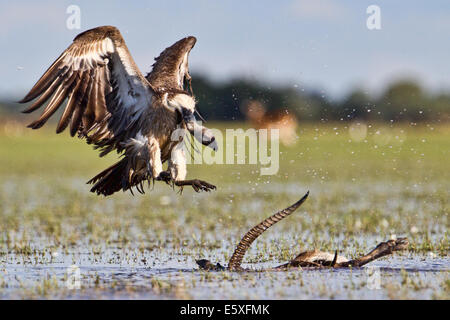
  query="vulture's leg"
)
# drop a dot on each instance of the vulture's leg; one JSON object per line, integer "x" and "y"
{"x": 155, "y": 157}
{"x": 177, "y": 170}
{"x": 177, "y": 163}
{"x": 381, "y": 250}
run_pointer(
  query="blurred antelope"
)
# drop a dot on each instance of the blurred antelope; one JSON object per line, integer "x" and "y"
{"x": 280, "y": 119}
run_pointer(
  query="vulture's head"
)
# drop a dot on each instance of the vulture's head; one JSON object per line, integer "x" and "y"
{"x": 184, "y": 105}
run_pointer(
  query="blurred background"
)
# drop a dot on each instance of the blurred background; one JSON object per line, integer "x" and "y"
{"x": 313, "y": 60}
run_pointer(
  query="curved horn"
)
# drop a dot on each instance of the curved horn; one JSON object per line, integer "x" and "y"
{"x": 333, "y": 264}
{"x": 256, "y": 231}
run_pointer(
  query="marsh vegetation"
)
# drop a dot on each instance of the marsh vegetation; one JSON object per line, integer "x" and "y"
{"x": 394, "y": 181}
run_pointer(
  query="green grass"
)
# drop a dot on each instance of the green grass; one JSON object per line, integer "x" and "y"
{"x": 395, "y": 181}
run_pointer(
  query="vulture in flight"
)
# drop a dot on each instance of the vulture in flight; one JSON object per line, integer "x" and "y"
{"x": 113, "y": 106}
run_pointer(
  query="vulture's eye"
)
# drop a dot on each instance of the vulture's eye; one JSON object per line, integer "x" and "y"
{"x": 179, "y": 117}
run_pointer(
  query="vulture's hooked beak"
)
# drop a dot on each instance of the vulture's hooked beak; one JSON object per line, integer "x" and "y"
{"x": 199, "y": 132}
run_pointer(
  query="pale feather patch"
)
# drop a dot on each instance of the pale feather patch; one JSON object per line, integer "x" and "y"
{"x": 182, "y": 100}
{"x": 137, "y": 144}
{"x": 125, "y": 58}
{"x": 107, "y": 45}
{"x": 155, "y": 157}
{"x": 178, "y": 163}
{"x": 183, "y": 70}
{"x": 89, "y": 56}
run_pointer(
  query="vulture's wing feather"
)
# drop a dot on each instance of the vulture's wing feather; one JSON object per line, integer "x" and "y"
{"x": 171, "y": 68}
{"x": 106, "y": 94}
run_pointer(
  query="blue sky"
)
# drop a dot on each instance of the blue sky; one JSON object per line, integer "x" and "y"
{"x": 322, "y": 44}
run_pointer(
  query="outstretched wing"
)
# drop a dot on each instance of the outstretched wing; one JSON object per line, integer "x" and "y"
{"x": 171, "y": 68}
{"x": 106, "y": 93}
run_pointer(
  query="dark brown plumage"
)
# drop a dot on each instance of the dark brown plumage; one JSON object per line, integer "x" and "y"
{"x": 171, "y": 69}
{"x": 89, "y": 74}
{"x": 113, "y": 106}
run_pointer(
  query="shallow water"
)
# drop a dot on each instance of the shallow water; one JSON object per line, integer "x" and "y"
{"x": 114, "y": 274}
{"x": 118, "y": 257}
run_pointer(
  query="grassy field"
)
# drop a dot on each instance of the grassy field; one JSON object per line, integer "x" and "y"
{"x": 394, "y": 180}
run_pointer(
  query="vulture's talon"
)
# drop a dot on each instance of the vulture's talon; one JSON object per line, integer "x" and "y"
{"x": 164, "y": 176}
{"x": 196, "y": 184}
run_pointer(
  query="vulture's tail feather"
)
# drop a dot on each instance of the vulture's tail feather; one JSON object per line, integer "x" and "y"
{"x": 111, "y": 179}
